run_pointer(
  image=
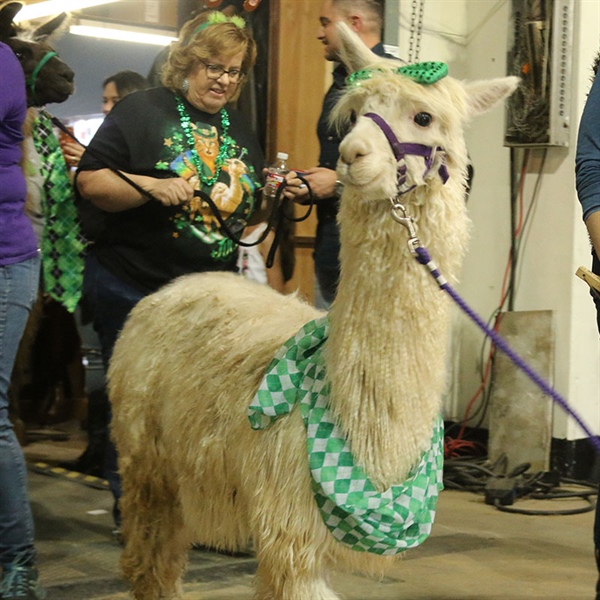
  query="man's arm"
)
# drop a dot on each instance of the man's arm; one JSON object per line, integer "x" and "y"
{"x": 593, "y": 226}
{"x": 587, "y": 163}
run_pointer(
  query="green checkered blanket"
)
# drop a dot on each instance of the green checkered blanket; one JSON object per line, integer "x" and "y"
{"x": 385, "y": 522}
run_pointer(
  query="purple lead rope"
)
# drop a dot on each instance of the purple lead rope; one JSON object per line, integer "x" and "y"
{"x": 423, "y": 257}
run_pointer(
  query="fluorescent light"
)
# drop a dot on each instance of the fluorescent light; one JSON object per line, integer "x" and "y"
{"x": 55, "y": 7}
{"x": 126, "y": 35}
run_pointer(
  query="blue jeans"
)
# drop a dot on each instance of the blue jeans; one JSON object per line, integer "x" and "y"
{"x": 111, "y": 300}
{"x": 18, "y": 290}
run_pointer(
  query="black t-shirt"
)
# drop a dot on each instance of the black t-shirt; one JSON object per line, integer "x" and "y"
{"x": 151, "y": 244}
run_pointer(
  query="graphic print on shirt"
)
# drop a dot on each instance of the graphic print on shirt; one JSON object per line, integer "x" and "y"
{"x": 233, "y": 193}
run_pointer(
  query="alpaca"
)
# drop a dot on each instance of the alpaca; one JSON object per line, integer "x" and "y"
{"x": 191, "y": 358}
{"x": 53, "y": 81}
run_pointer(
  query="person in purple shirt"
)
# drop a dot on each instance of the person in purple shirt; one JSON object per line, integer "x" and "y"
{"x": 19, "y": 275}
{"x": 587, "y": 179}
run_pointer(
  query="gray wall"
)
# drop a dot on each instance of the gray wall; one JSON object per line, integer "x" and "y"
{"x": 391, "y": 19}
{"x": 93, "y": 60}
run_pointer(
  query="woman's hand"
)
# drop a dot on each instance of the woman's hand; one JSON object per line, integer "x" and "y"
{"x": 170, "y": 192}
{"x": 72, "y": 151}
{"x": 295, "y": 189}
{"x": 111, "y": 193}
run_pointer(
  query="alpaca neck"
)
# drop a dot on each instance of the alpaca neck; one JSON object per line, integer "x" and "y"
{"x": 385, "y": 354}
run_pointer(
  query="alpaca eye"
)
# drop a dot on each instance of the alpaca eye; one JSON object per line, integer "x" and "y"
{"x": 353, "y": 117}
{"x": 423, "y": 119}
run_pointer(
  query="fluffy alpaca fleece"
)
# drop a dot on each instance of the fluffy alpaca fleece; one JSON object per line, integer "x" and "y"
{"x": 192, "y": 356}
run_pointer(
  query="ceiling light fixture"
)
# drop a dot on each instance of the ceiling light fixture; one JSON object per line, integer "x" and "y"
{"x": 126, "y": 34}
{"x": 55, "y": 7}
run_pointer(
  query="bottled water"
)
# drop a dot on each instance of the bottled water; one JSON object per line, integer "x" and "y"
{"x": 276, "y": 175}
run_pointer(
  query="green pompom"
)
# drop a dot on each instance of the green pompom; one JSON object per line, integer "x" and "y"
{"x": 218, "y": 17}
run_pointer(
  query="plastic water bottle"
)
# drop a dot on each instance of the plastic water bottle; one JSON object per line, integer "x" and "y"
{"x": 276, "y": 175}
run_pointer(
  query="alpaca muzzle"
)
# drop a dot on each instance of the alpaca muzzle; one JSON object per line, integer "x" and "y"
{"x": 63, "y": 75}
{"x": 402, "y": 149}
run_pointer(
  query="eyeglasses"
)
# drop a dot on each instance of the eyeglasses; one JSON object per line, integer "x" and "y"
{"x": 216, "y": 72}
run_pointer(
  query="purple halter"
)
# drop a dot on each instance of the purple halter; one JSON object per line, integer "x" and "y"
{"x": 400, "y": 150}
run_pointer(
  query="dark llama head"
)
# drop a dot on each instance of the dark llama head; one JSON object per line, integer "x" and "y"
{"x": 47, "y": 77}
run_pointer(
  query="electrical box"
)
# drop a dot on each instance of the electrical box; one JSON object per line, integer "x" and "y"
{"x": 540, "y": 53}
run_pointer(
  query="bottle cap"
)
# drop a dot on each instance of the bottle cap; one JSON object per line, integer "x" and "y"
{"x": 282, "y": 155}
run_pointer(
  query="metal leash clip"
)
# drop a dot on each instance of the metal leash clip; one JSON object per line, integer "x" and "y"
{"x": 400, "y": 215}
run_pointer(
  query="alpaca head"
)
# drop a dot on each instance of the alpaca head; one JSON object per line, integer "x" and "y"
{"x": 48, "y": 78}
{"x": 426, "y": 115}
{"x": 235, "y": 167}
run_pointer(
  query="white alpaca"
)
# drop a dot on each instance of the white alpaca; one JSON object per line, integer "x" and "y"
{"x": 191, "y": 358}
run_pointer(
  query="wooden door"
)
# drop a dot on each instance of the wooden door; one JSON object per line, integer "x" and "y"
{"x": 298, "y": 82}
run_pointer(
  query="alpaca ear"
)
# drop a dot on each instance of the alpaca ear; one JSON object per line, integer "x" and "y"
{"x": 484, "y": 95}
{"x": 352, "y": 50}
{"x": 7, "y": 13}
{"x": 50, "y": 28}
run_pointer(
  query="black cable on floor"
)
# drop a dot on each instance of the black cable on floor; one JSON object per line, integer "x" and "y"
{"x": 545, "y": 513}
{"x": 502, "y": 489}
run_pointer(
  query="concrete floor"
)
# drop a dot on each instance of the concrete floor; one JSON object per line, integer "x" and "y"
{"x": 475, "y": 551}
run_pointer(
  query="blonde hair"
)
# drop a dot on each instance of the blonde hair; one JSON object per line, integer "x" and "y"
{"x": 203, "y": 40}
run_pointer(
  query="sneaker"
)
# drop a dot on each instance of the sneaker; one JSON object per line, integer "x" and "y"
{"x": 117, "y": 535}
{"x": 21, "y": 583}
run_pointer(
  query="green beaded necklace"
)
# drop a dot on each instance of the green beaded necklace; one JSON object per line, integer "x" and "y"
{"x": 226, "y": 142}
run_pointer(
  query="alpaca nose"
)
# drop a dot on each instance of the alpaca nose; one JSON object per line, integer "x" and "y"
{"x": 358, "y": 143}
{"x": 68, "y": 74}
{"x": 351, "y": 151}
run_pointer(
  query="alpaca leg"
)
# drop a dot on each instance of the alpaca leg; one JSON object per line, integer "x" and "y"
{"x": 287, "y": 572}
{"x": 291, "y": 586}
{"x": 156, "y": 546}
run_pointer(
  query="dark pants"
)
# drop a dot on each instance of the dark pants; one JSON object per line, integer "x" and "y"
{"x": 326, "y": 281}
{"x": 327, "y": 263}
{"x": 596, "y": 270}
{"x": 596, "y": 296}
{"x": 111, "y": 301}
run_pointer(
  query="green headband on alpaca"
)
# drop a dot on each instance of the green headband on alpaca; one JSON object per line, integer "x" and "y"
{"x": 218, "y": 17}
{"x": 425, "y": 73}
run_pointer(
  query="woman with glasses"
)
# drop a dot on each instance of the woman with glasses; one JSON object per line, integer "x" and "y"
{"x": 170, "y": 142}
